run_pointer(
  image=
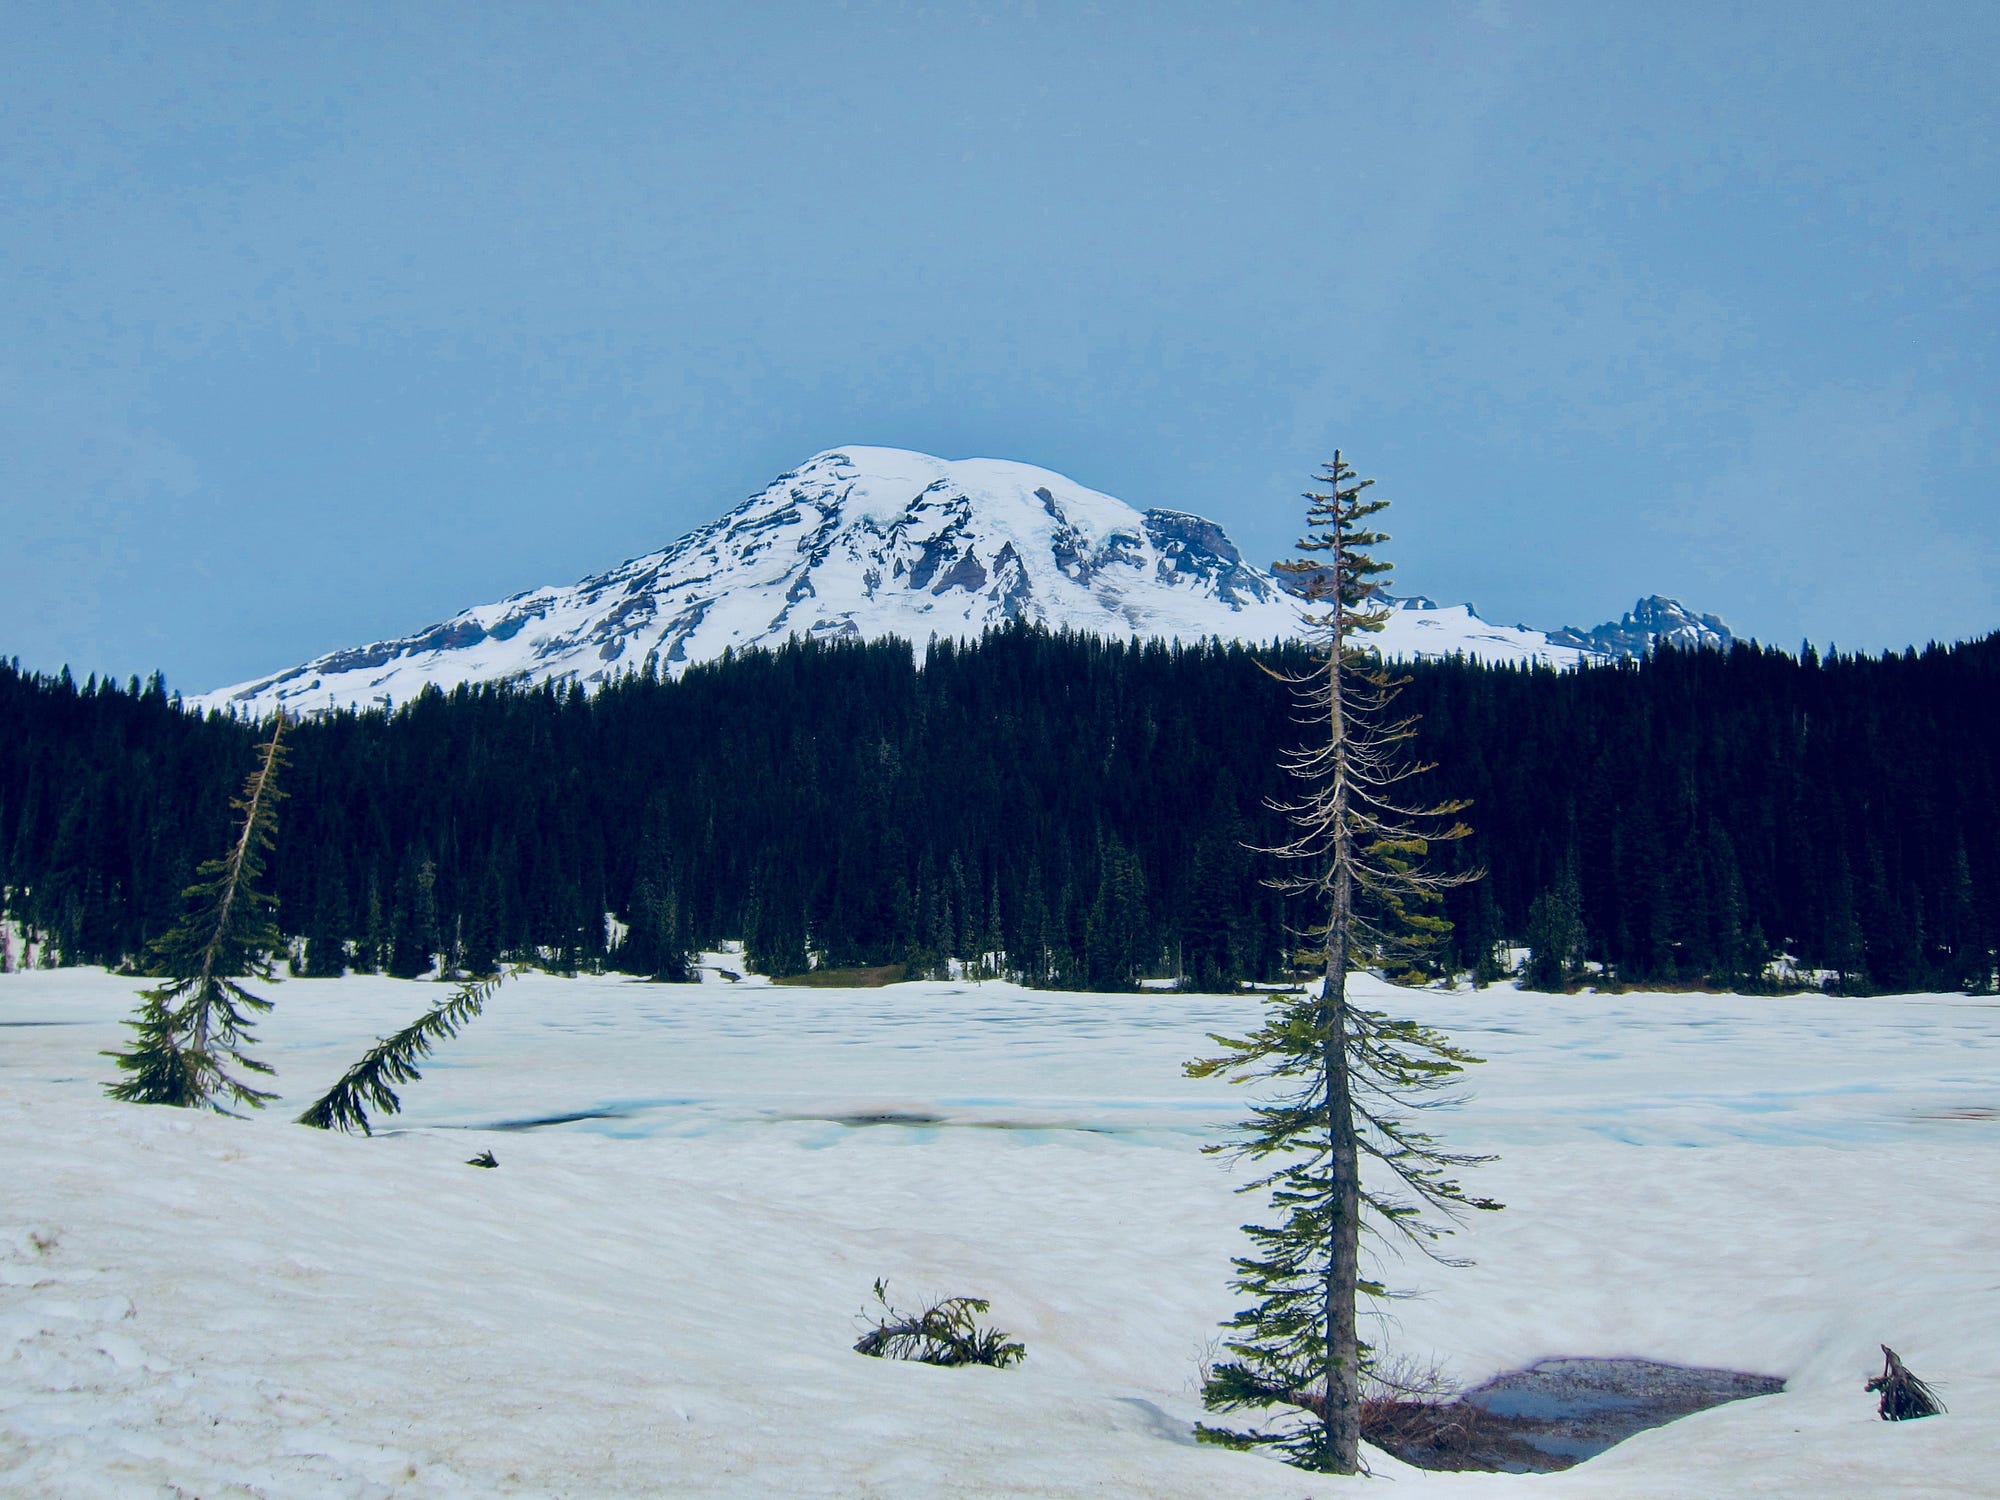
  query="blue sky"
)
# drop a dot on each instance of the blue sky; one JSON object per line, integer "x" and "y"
{"x": 319, "y": 323}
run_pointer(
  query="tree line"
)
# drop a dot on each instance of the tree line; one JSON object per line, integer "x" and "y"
{"x": 1063, "y": 809}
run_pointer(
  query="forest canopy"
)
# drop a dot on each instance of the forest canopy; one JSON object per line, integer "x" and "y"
{"x": 1065, "y": 809}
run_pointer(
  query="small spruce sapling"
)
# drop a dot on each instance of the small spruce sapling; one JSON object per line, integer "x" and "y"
{"x": 192, "y": 1028}
{"x": 370, "y": 1083}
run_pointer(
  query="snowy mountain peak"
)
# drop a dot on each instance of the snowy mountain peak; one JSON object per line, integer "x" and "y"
{"x": 857, "y": 542}
{"x": 867, "y": 543}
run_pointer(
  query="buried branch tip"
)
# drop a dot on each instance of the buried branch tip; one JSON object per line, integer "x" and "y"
{"x": 1904, "y": 1396}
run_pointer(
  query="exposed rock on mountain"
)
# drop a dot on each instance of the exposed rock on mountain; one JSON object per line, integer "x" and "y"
{"x": 1648, "y": 623}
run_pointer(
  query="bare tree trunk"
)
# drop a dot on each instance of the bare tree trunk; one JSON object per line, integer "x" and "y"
{"x": 1341, "y": 1417}
{"x": 204, "y": 992}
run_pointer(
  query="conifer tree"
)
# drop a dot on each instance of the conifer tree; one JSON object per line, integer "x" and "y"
{"x": 1115, "y": 927}
{"x": 414, "y": 937}
{"x": 1344, "y": 1073}
{"x": 1555, "y": 937}
{"x": 375, "y": 932}
{"x": 191, "y": 1029}
{"x": 326, "y": 952}
{"x": 654, "y": 946}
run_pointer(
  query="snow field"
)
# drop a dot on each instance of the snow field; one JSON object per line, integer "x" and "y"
{"x": 659, "y": 1298}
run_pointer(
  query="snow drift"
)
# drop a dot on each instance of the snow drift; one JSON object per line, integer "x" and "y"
{"x": 658, "y": 1297}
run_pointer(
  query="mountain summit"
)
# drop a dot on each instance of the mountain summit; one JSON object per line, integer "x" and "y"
{"x": 866, "y": 543}
{"x": 1648, "y": 623}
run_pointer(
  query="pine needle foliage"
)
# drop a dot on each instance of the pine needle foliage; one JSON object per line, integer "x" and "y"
{"x": 1345, "y": 1081}
{"x": 370, "y": 1083}
{"x": 190, "y": 1030}
{"x": 945, "y": 1332}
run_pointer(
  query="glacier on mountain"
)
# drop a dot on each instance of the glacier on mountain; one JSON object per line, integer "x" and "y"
{"x": 866, "y": 543}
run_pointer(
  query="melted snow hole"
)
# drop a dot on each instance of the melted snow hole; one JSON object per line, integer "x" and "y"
{"x": 1555, "y": 1414}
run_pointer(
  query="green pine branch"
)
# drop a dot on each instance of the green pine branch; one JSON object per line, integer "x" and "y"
{"x": 370, "y": 1083}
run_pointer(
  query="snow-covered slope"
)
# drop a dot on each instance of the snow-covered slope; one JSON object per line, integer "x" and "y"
{"x": 654, "y": 1293}
{"x": 1420, "y": 627}
{"x": 868, "y": 543}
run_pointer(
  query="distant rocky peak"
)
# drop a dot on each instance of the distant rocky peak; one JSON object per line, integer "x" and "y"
{"x": 1653, "y": 620}
{"x": 1649, "y": 623}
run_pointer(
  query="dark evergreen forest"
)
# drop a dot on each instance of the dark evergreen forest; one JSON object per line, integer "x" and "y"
{"x": 1071, "y": 811}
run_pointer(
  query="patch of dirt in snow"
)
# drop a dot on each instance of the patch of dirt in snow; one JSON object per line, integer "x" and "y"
{"x": 1552, "y": 1415}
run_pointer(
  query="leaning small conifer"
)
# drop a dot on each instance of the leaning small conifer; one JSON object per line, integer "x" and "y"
{"x": 370, "y": 1083}
{"x": 191, "y": 1029}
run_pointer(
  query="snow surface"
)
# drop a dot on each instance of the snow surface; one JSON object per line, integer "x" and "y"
{"x": 1417, "y": 628}
{"x": 871, "y": 543}
{"x": 658, "y": 1297}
